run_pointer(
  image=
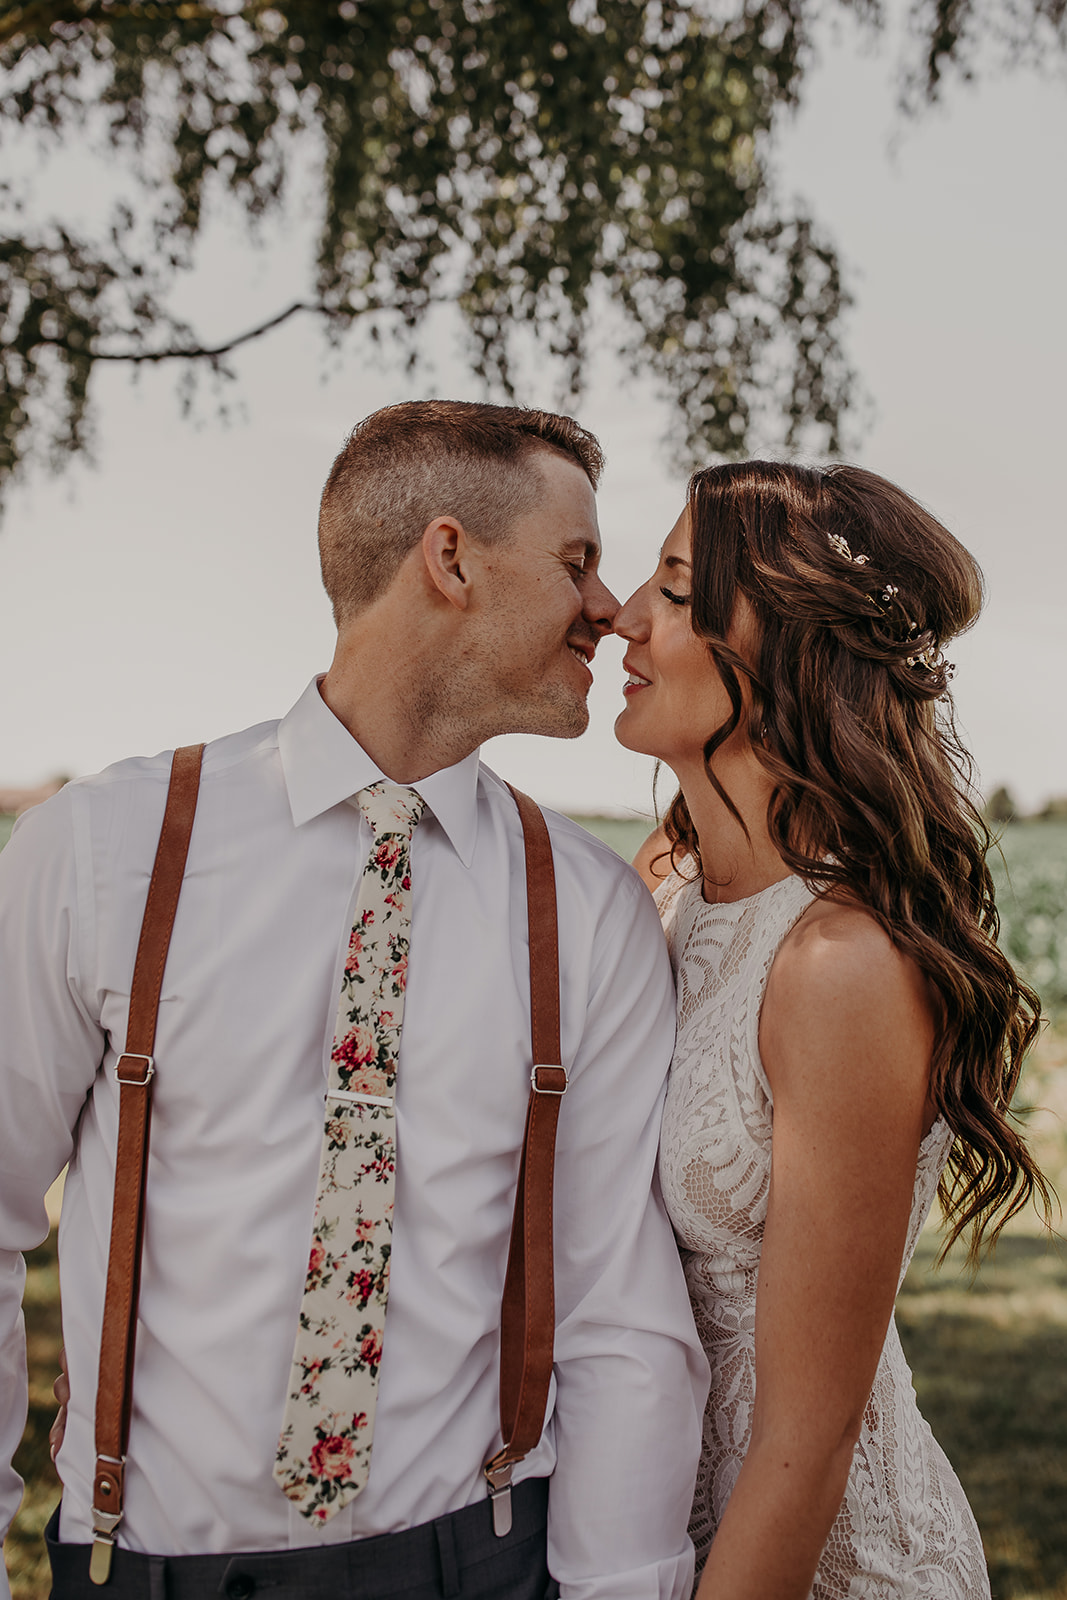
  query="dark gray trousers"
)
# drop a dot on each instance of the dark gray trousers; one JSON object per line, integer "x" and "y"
{"x": 457, "y": 1557}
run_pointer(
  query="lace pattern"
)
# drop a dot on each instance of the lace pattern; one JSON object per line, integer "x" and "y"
{"x": 904, "y": 1528}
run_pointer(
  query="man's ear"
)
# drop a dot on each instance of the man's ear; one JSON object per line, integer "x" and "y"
{"x": 449, "y": 557}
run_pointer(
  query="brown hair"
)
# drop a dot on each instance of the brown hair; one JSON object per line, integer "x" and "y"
{"x": 407, "y": 464}
{"x": 854, "y": 588}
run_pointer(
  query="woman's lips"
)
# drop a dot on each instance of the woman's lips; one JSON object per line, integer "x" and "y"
{"x": 634, "y": 682}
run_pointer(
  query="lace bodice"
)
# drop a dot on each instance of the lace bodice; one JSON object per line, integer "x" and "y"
{"x": 904, "y": 1528}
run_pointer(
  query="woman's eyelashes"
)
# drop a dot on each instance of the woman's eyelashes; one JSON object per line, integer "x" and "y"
{"x": 675, "y": 599}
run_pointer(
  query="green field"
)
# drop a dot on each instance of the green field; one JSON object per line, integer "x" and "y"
{"x": 989, "y": 1353}
{"x": 1029, "y": 867}
{"x": 1030, "y": 872}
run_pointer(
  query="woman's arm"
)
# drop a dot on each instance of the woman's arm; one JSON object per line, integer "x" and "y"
{"x": 846, "y": 1037}
{"x": 647, "y": 863}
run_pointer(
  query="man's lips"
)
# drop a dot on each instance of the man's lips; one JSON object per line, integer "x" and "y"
{"x": 581, "y": 650}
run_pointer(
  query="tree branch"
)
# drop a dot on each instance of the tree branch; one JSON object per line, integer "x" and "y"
{"x": 206, "y": 352}
{"x": 35, "y": 19}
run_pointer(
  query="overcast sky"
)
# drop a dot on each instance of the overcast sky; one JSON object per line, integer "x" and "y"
{"x": 172, "y": 593}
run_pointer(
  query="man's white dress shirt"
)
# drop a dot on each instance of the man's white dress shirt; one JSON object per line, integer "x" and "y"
{"x": 242, "y": 1048}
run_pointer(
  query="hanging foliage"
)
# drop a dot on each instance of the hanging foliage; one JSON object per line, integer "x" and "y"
{"x": 510, "y": 159}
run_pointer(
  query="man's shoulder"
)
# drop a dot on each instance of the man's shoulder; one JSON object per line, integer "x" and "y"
{"x": 109, "y": 805}
{"x": 137, "y": 775}
{"x": 572, "y": 841}
{"x": 220, "y": 756}
{"x": 584, "y": 863}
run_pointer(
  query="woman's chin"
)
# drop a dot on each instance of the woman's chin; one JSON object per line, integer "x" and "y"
{"x": 629, "y": 736}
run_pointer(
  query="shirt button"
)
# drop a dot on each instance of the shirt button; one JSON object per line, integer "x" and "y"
{"x": 240, "y": 1586}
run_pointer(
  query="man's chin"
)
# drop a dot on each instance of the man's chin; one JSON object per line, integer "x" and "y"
{"x": 559, "y": 719}
{"x": 569, "y": 727}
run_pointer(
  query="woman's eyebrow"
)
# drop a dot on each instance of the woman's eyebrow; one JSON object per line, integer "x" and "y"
{"x": 675, "y": 561}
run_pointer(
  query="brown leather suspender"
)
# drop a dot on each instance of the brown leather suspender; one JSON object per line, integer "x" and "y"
{"x": 527, "y": 1313}
{"x": 134, "y": 1071}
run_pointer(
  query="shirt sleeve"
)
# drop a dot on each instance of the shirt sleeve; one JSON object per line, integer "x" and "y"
{"x": 630, "y": 1373}
{"x": 50, "y": 1048}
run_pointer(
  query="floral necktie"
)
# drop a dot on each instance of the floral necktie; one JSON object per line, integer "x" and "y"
{"x": 323, "y": 1458}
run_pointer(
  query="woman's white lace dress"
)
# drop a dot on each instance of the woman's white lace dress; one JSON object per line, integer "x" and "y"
{"x": 904, "y": 1528}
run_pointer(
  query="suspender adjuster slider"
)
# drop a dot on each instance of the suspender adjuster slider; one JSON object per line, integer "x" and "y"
{"x": 138, "y": 1076}
{"x": 549, "y": 1078}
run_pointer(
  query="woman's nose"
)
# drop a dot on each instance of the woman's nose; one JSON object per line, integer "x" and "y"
{"x": 631, "y": 619}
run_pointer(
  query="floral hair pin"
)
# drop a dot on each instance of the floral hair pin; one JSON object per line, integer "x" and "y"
{"x": 841, "y": 545}
{"x": 931, "y": 659}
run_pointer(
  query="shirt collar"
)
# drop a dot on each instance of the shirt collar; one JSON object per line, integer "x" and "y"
{"x": 324, "y": 766}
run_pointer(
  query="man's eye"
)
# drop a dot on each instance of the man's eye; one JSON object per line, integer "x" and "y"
{"x": 578, "y": 567}
{"x": 675, "y": 599}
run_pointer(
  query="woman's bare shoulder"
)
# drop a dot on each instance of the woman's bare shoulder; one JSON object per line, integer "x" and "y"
{"x": 838, "y": 973}
{"x": 837, "y": 940}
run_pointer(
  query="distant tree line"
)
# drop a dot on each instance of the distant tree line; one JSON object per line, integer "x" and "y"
{"x": 1003, "y": 807}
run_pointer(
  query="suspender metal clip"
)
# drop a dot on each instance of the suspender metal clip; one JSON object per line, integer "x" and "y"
{"x": 104, "y": 1525}
{"x": 499, "y": 1479}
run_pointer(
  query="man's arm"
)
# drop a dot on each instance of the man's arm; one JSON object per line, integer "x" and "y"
{"x": 653, "y": 860}
{"x": 50, "y": 1047}
{"x": 631, "y": 1377}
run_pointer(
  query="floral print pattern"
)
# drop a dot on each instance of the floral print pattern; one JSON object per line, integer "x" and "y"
{"x": 323, "y": 1458}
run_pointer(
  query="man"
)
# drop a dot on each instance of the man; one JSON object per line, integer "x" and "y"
{"x": 460, "y": 550}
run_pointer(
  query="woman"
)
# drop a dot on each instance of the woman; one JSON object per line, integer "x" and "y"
{"x": 849, "y": 1035}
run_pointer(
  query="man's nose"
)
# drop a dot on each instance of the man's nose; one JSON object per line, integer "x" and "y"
{"x": 600, "y": 606}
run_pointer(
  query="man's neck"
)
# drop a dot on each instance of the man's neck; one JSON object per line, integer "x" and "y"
{"x": 390, "y": 728}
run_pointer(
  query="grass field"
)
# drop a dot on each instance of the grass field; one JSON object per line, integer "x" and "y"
{"x": 989, "y": 1354}
{"x": 1029, "y": 868}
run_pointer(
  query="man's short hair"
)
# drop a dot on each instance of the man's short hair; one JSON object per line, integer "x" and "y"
{"x": 407, "y": 464}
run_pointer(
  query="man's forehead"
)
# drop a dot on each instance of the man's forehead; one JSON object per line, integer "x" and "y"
{"x": 564, "y": 516}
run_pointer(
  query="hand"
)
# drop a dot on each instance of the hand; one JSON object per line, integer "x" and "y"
{"x": 61, "y": 1390}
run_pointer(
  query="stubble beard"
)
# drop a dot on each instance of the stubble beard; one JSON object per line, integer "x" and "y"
{"x": 554, "y": 715}
{"x": 462, "y": 709}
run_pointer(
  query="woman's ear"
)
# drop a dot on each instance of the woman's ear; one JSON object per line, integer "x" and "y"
{"x": 447, "y": 554}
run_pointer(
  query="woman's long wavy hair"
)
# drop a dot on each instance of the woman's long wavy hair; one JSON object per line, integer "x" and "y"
{"x": 854, "y": 589}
